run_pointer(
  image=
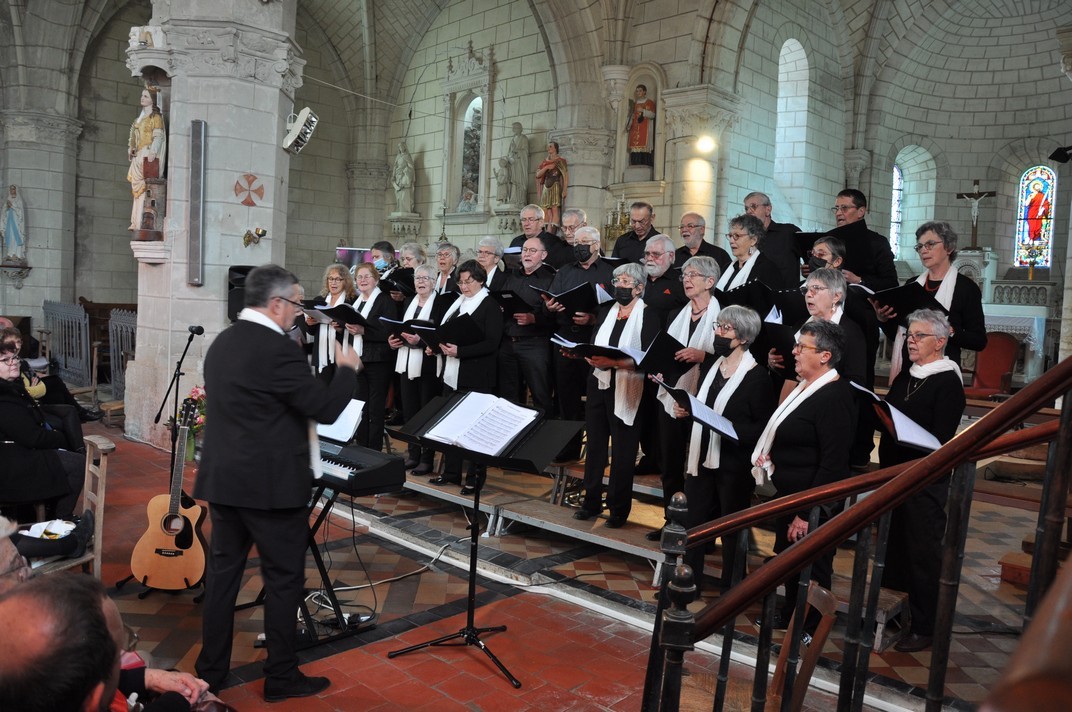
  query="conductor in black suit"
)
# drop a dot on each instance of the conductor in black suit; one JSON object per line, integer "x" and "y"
{"x": 255, "y": 474}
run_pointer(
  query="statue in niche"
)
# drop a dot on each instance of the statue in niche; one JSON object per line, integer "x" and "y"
{"x": 518, "y": 156}
{"x": 146, "y": 151}
{"x": 402, "y": 179}
{"x": 13, "y": 229}
{"x": 641, "y": 128}
{"x": 552, "y": 178}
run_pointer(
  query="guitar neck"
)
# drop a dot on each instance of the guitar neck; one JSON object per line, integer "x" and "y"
{"x": 177, "y": 469}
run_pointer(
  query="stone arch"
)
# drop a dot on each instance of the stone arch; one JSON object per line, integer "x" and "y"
{"x": 923, "y": 165}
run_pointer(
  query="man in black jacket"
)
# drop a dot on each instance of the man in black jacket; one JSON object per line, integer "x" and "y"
{"x": 525, "y": 358}
{"x": 630, "y": 245}
{"x": 255, "y": 473}
{"x": 532, "y": 221}
{"x": 779, "y": 243}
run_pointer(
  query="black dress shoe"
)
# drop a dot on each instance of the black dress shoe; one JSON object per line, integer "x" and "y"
{"x": 655, "y": 535}
{"x": 410, "y": 464}
{"x": 422, "y": 469}
{"x": 913, "y": 643}
{"x": 614, "y": 521}
{"x": 780, "y": 621}
{"x": 441, "y": 481}
{"x": 87, "y": 415}
{"x": 583, "y": 514}
{"x": 467, "y": 490}
{"x": 304, "y": 686}
{"x": 82, "y": 533}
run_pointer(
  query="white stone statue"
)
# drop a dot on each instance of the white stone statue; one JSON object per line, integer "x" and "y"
{"x": 13, "y": 228}
{"x": 402, "y": 179}
{"x": 146, "y": 152}
{"x": 518, "y": 156}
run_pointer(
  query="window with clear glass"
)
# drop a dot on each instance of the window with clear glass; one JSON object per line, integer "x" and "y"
{"x": 896, "y": 208}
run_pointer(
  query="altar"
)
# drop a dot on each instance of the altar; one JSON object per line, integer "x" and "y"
{"x": 1028, "y": 325}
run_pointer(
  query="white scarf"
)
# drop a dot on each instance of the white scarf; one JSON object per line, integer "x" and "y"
{"x": 944, "y": 296}
{"x": 441, "y": 282}
{"x": 462, "y": 305}
{"x": 363, "y": 308}
{"x": 714, "y": 444}
{"x": 703, "y": 336}
{"x": 628, "y": 385}
{"x": 835, "y": 316}
{"x": 410, "y": 359}
{"x": 804, "y": 390}
{"x": 326, "y": 337}
{"x": 929, "y": 369}
{"x": 725, "y": 283}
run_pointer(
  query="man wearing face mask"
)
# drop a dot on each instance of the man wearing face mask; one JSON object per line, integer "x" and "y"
{"x": 525, "y": 356}
{"x": 571, "y": 374}
{"x": 779, "y": 243}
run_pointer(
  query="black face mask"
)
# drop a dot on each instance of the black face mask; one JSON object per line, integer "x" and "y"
{"x": 582, "y": 252}
{"x": 815, "y": 263}
{"x": 623, "y": 295}
{"x": 722, "y": 346}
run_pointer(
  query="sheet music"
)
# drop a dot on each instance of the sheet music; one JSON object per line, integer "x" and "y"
{"x": 774, "y": 316}
{"x": 706, "y": 415}
{"x": 906, "y": 430}
{"x": 345, "y": 425}
{"x": 482, "y": 423}
{"x": 318, "y": 316}
{"x": 602, "y": 295}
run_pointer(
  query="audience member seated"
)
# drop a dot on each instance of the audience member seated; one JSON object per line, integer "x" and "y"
{"x": 47, "y": 390}
{"x": 15, "y": 543}
{"x": 38, "y": 463}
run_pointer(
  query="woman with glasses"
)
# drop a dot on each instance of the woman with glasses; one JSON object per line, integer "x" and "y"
{"x": 447, "y": 256}
{"x": 824, "y": 295}
{"x": 39, "y": 464}
{"x": 694, "y": 327}
{"x": 936, "y": 245}
{"x": 749, "y": 264}
{"x": 805, "y": 443}
{"x": 930, "y": 392}
{"x": 471, "y": 367}
{"x": 614, "y": 392}
{"x": 489, "y": 252}
{"x": 419, "y": 381}
{"x": 338, "y": 289}
{"x": 718, "y": 478}
{"x": 370, "y": 343}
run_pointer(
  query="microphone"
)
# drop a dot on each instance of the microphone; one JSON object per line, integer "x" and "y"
{"x": 196, "y": 330}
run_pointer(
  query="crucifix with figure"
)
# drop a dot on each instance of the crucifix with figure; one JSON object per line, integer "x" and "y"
{"x": 976, "y": 196}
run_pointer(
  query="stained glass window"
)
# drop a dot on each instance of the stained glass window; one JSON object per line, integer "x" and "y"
{"x": 1034, "y": 224}
{"x": 896, "y": 208}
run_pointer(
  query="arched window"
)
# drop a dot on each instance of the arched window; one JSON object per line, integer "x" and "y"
{"x": 896, "y": 208}
{"x": 1034, "y": 222}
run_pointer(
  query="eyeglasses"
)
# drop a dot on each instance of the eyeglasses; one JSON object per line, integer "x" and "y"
{"x": 691, "y": 276}
{"x": 422, "y": 279}
{"x": 570, "y": 228}
{"x": 531, "y": 250}
{"x": 735, "y": 236}
{"x": 656, "y": 255}
{"x": 291, "y": 301}
{"x": 749, "y": 207}
{"x": 916, "y": 336}
{"x": 10, "y": 360}
{"x": 689, "y": 226}
{"x": 336, "y": 279}
{"x": 466, "y": 282}
{"x": 623, "y": 283}
{"x": 639, "y": 222}
{"x": 812, "y": 288}
{"x": 530, "y": 220}
{"x": 929, "y": 245}
{"x": 724, "y": 326}
{"x": 799, "y": 348}
{"x": 445, "y": 255}
{"x": 487, "y": 253}
{"x": 842, "y": 209}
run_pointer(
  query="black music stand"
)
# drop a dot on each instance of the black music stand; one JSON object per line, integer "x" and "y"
{"x": 530, "y": 451}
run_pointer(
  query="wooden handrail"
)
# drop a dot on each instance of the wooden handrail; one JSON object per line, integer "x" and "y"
{"x": 916, "y": 475}
{"x": 837, "y": 491}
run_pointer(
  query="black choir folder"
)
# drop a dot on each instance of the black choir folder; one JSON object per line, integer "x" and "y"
{"x": 764, "y": 300}
{"x": 460, "y": 330}
{"x": 511, "y": 303}
{"x": 342, "y": 313}
{"x": 701, "y": 412}
{"x": 579, "y": 299}
{"x": 396, "y": 327}
{"x": 907, "y": 431}
{"x": 400, "y": 279}
{"x": 657, "y": 358}
{"x": 488, "y": 430}
{"x": 904, "y": 300}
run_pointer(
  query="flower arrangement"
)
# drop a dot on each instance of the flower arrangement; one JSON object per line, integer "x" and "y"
{"x": 197, "y": 395}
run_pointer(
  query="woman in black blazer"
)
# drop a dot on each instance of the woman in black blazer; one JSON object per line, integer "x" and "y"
{"x": 338, "y": 289}
{"x": 471, "y": 367}
{"x": 418, "y": 373}
{"x": 370, "y": 342}
{"x": 718, "y": 477}
{"x": 614, "y": 392}
{"x": 749, "y": 263}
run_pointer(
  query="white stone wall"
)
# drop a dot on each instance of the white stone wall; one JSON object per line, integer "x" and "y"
{"x": 108, "y": 102}
{"x": 318, "y": 198}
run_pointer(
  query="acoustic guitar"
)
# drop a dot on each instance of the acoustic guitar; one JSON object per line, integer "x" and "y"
{"x": 171, "y": 554}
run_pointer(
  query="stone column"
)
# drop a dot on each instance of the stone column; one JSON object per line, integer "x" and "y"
{"x": 40, "y": 155}
{"x": 698, "y": 119}
{"x": 1064, "y": 38}
{"x": 232, "y": 64}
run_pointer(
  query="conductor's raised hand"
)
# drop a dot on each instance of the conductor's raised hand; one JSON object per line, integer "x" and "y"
{"x": 348, "y": 358}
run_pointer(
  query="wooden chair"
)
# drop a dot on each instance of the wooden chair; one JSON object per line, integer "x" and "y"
{"x": 93, "y": 490}
{"x": 698, "y": 690}
{"x": 993, "y": 367}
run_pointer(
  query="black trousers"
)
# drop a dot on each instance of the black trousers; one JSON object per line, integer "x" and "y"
{"x": 65, "y": 419}
{"x": 571, "y": 380}
{"x": 602, "y": 425}
{"x": 281, "y": 536}
{"x": 914, "y": 553}
{"x": 647, "y": 421}
{"x": 415, "y": 394}
{"x": 712, "y": 494}
{"x": 673, "y": 442}
{"x": 526, "y": 362}
{"x": 821, "y": 571}
{"x": 372, "y": 383}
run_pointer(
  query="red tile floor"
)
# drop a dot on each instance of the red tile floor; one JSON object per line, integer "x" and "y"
{"x": 574, "y": 650}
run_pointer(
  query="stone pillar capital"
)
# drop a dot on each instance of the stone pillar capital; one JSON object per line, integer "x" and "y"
{"x": 615, "y": 77}
{"x": 1064, "y": 40}
{"x": 704, "y": 109}
{"x": 35, "y": 127}
{"x": 211, "y": 50}
{"x": 584, "y": 145}
{"x": 857, "y": 160}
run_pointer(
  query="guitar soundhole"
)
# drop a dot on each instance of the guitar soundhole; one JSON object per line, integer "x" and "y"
{"x": 174, "y": 524}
